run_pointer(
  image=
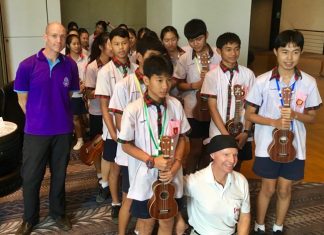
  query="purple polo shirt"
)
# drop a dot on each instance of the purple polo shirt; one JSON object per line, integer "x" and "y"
{"x": 48, "y": 85}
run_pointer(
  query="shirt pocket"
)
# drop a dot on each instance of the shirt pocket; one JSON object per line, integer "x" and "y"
{"x": 173, "y": 128}
{"x": 300, "y": 99}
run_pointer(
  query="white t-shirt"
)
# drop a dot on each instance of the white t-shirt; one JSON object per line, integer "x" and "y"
{"x": 135, "y": 128}
{"x": 212, "y": 208}
{"x": 82, "y": 63}
{"x": 187, "y": 68}
{"x": 108, "y": 76}
{"x": 125, "y": 92}
{"x": 90, "y": 82}
{"x": 216, "y": 85}
{"x": 264, "y": 94}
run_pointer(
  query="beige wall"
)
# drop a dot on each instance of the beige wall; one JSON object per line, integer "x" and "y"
{"x": 87, "y": 12}
{"x": 260, "y": 24}
{"x": 234, "y": 16}
{"x": 302, "y": 14}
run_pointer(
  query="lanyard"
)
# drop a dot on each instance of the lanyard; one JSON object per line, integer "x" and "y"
{"x": 138, "y": 85}
{"x": 279, "y": 91}
{"x": 282, "y": 103}
{"x": 156, "y": 145}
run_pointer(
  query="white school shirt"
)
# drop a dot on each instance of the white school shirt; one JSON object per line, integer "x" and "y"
{"x": 82, "y": 63}
{"x": 216, "y": 85}
{"x": 91, "y": 81}
{"x": 134, "y": 128}
{"x": 108, "y": 76}
{"x": 264, "y": 94}
{"x": 125, "y": 92}
{"x": 212, "y": 208}
{"x": 187, "y": 68}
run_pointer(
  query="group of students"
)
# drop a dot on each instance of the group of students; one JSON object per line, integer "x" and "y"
{"x": 134, "y": 105}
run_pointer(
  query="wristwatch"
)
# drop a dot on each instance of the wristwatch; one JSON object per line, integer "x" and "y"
{"x": 248, "y": 132}
{"x": 150, "y": 163}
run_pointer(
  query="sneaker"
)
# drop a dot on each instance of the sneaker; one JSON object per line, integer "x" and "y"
{"x": 102, "y": 194}
{"x": 115, "y": 211}
{"x": 278, "y": 232}
{"x": 78, "y": 145}
{"x": 259, "y": 232}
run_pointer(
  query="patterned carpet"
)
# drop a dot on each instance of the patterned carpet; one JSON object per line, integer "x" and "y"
{"x": 305, "y": 217}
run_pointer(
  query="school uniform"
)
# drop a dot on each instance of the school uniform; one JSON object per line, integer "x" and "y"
{"x": 126, "y": 91}
{"x": 266, "y": 97}
{"x": 137, "y": 121}
{"x": 188, "y": 69}
{"x": 95, "y": 117}
{"x": 77, "y": 102}
{"x": 111, "y": 73}
{"x": 219, "y": 84}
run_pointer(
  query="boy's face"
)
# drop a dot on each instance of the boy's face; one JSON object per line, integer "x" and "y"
{"x": 158, "y": 86}
{"x": 198, "y": 44}
{"x": 84, "y": 38}
{"x": 230, "y": 53}
{"x": 120, "y": 47}
{"x": 288, "y": 56}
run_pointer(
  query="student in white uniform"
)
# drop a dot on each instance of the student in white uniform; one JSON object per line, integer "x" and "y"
{"x": 100, "y": 55}
{"x": 190, "y": 77}
{"x": 126, "y": 91}
{"x": 117, "y": 69}
{"x": 132, "y": 45}
{"x": 73, "y": 50}
{"x": 225, "y": 98}
{"x": 268, "y": 98}
{"x": 218, "y": 197}
{"x": 144, "y": 122}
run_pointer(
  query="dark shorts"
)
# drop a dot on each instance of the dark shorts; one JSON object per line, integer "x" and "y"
{"x": 110, "y": 148}
{"x": 198, "y": 129}
{"x": 78, "y": 106}
{"x": 266, "y": 168}
{"x": 125, "y": 178}
{"x": 95, "y": 124}
{"x": 246, "y": 152}
{"x": 139, "y": 209}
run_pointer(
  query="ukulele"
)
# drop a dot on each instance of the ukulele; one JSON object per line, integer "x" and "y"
{"x": 235, "y": 126}
{"x": 162, "y": 205}
{"x": 281, "y": 148}
{"x": 201, "y": 111}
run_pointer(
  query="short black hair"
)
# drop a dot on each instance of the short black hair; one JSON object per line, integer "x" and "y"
{"x": 121, "y": 32}
{"x": 289, "y": 36}
{"x": 167, "y": 29}
{"x": 157, "y": 65}
{"x": 194, "y": 28}
{"x": 103, "y": 24}
{"x": 122, "y": 26}
{"x": 72, "y": 25}
{"x": 228, "y": 37}
{"x": 83, "y": 30}
{"x": 150, "y": 43}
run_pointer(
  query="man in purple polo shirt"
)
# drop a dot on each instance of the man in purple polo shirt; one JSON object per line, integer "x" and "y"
{"x": 44, "y": 83}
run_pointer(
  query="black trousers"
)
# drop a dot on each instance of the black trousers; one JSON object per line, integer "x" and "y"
{"x": 37, "y": 152}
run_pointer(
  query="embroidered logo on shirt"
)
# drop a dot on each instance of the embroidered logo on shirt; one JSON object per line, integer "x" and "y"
{"x": 66, "y": 82}
{"x": 299, "y": 102}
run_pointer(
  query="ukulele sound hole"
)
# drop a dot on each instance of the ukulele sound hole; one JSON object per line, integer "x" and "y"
{"x": 164, "y": 195}
{"x": 283, "y": 139}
